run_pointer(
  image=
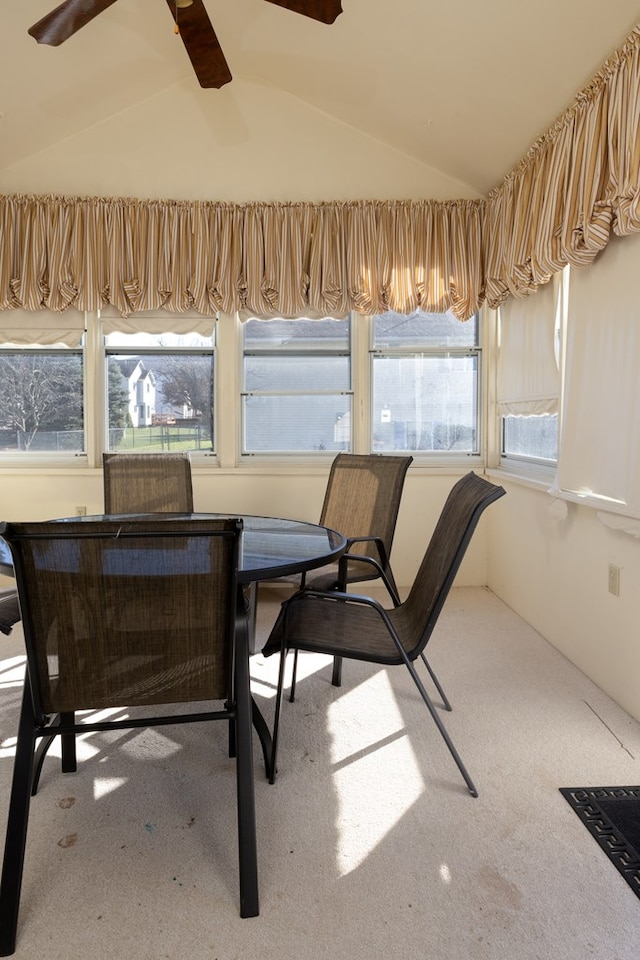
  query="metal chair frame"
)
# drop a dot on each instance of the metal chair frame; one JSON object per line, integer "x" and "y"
{"x": 9, "y": 609}
{"x": 224, "y": 677}
{"x": 391, "y": 637}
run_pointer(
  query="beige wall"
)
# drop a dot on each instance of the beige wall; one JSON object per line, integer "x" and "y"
{"x": 270, "y": 146}
{"x": 554, "y": 573}
{"x": 256, "y": 143}
{"x": 41, "y": 495}
{"x": 267, "y": 145}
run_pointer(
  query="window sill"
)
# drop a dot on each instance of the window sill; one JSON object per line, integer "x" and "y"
{"x": 537, "y": 478}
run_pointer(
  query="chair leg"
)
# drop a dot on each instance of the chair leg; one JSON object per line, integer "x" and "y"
{"x": 445, "y": 701}
{"x": 16, "y": 840}
{"x": 40, "y": 754}
{"x": 276, "y": 719}
{"x": 261, "y": 728}
{"x": 250, "y": 592}
{"x": 68, "y": 745}
{"x": 336, "y": 678}
{"x": 443, "y": 731}
{"x": 292, "y": 689}
{"x": 233, "y": 750}
{"x": 247, "y": 841}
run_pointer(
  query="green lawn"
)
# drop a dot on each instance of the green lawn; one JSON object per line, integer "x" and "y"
{"x": 158, "y": 439}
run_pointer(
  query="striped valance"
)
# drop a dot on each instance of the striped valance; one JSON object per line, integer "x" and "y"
{"x": 260, "y": 259}
{"x": 577, "y": 184}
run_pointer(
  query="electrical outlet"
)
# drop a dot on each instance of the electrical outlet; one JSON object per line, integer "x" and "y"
{"x": 81, "y": 511}
{"x": 614, "y": 579}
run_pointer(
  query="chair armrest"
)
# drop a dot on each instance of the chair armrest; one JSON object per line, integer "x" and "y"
{"x": 343, "y": 564}
{"x": 382, "y": 550}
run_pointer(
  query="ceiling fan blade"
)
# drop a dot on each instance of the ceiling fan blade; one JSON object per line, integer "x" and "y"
{"x": 326, "y": 11}
{"x": 201, "y": 43}
{"x": 67, "y": 19}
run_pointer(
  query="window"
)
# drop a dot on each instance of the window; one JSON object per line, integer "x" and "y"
{"x": 296, "y": 386}
{"x": 599, "y": 460}
{"x": 42, "y": 399}
{"x": 160, "y": 390}
{"x": 75, "y": 386}
{"x": 425, "y": 384}
{"x": 531, "y": 438}
{"x": 528, "y": 375}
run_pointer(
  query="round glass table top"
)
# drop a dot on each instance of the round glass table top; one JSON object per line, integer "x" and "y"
{"x": 270, "y": 547}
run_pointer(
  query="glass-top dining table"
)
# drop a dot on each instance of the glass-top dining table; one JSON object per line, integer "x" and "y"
{"x": 270, "y": 548}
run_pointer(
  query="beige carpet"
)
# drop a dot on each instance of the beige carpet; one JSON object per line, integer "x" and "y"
{"x": 369, "y": 843}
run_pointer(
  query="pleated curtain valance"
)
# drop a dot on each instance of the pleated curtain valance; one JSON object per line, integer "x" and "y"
{"x": 259, "y": 259}
{"x": 578, "y": 184}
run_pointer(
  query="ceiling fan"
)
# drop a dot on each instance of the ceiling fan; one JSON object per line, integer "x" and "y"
{"x": 191, "y": 22}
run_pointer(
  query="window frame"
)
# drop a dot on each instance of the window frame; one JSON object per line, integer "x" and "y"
{"x": 436, "y": 457}
{"x": 228, "y": 358}
{"x": 303, "y": 456}
{"x": 110, "y": 350}
{"x": 58, "y": 457}
{"x": 525, "y": 465}
{"x": 508, "y": 458}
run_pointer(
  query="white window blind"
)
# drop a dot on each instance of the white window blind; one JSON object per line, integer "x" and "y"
{"x": 156, "y": 322}
{"x": 528, "y": 374}
{"x": 23, "y": 327}
{"x": 599, "y": 459}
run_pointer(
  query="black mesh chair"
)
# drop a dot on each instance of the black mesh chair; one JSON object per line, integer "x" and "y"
{"x": 358, "y": 627}
{"x": 9, "y": 609}
{"x": 361, "y": 501}
{"x": 132, "y": 613}
{"x": 147, "y": 483}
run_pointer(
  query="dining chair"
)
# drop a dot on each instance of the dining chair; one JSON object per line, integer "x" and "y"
{"x": 147, "y": 483}
{"x": 159, "y": 483}
{"x": 361, "y": 501}
{"x": 359, "y": 627}
{"x": 9, "y": 609}
{"x": 125, "y": 614}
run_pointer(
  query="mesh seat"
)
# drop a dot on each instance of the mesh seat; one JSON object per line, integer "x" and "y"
{"x": 358, "y": 627}
{"x": 127, "y": 613}
{"x": 147, "y": 483}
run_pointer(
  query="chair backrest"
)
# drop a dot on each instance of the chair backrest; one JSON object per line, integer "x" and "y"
{"x": 147, "y": 483}
{"x": 467, "y": 500}
{"x": 127, "y": 613}
{"x": 362, "y": 497}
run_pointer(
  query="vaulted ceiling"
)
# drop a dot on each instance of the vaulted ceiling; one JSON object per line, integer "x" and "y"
{"x": 459, "y": 86}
